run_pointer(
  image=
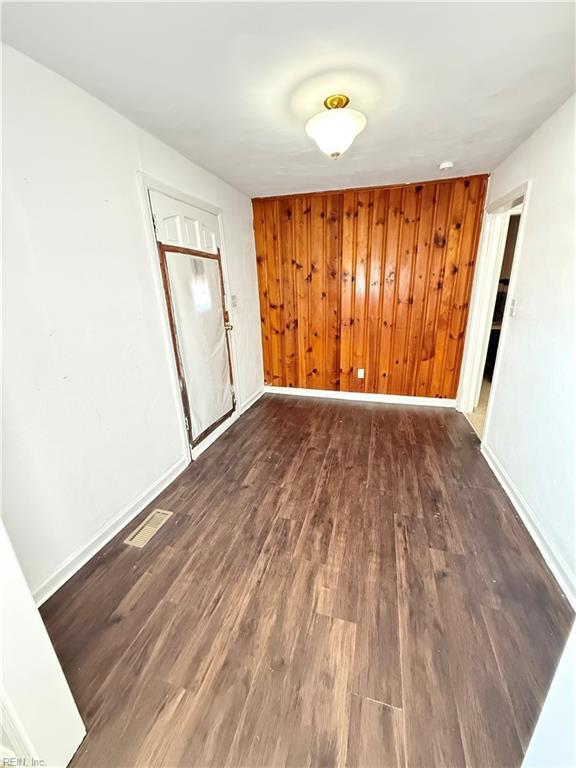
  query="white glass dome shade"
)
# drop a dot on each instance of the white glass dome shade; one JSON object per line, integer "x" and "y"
{"x": 335, "y": 129}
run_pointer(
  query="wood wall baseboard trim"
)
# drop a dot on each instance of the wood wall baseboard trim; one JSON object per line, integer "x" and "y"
{"x": 555, "y": 562}
{"x": 73, "y": 563}
{"x": 363, "y": 397}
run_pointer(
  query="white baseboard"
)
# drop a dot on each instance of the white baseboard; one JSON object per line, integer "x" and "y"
{"x": 554, "y": 561}
{"x": 251, "y": 400}
{"x": 81, "y": 556}
{"x": 363, "y": 397}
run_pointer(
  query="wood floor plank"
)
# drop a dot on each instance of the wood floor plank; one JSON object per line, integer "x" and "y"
{"x": 376, "y": 735}
{"x": 377, "y": 663}
{"x": 441, "y": 525}
{"x": 217, "y": 707}
{"x": 478, "y": 685}
{"x": 298, "y": 711}
{"x": 339, "y": 584}
{"x": 432, "y": 730}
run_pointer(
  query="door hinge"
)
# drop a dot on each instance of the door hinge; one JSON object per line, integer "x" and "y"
{"x": 233, "y": 400}
{"x": 154, "y": 224}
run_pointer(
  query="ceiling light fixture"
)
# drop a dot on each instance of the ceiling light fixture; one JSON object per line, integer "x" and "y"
{"x": 335, "y": 129}
{"x": 446, "y": 165}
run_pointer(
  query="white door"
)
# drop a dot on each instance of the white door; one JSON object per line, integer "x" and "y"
{"x": 179, "y": 223}
{"x": 189, "y": 243}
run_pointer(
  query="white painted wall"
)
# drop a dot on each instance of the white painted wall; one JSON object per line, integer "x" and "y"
{"x": 39, "y": 715}
{"x": 553, "y": 743}
{"x": 530, "y": 434}
{"x": 92, "y": 419}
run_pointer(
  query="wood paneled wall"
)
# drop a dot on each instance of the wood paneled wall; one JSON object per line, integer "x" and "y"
{"x": 378, "y": 279}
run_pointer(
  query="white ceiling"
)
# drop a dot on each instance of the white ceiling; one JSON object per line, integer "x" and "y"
{"x": 231, "y": 86}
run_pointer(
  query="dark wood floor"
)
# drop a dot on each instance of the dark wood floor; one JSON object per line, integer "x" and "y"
{"x": 340, "y": 585}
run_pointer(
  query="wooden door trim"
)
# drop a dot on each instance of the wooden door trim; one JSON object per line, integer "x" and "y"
{"x": 188, "y": 251}
{"x": 163, "y": 249}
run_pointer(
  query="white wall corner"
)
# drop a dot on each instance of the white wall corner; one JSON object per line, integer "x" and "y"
{"x": 254, "y": 397}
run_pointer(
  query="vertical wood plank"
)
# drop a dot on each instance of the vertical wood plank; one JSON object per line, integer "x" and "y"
{"x": 332, "y": 269}
{"x": 443, "y": 197}
{"x": 347, "y": 288}
{"x": 261, "y": 261}
{"x": 466, "y": 263}
{"x": 362, "y": 246}
{"x": 448, "y": 279}
{"x": 375, "y": 282}
{"x": 403, "y": 287}
{"x": 317, "y": 374}
{"x": 288, "y": 310}
{"x": 274, "y": 289}
{"x": 419, "y": 285}
{"x": 302, "y": 266}
{"x": 389, "y": 301}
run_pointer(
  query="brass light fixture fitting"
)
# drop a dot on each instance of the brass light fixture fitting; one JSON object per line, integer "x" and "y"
{"x": 336, "y": 101}
{"x": 335, "y": 129}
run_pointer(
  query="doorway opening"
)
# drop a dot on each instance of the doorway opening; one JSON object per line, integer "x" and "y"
{"x": 501, "y": 306}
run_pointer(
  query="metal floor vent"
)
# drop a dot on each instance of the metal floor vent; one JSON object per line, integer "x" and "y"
{"x": 142, "y": 535}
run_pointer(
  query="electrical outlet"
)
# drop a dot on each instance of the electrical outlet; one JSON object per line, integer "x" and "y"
{"x": 360, "y": 373}
{"x": 234, "y": 300}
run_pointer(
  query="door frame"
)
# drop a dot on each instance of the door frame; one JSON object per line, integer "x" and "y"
{"x": 146, "y": 183}
{"x": 485, "y": 288}
{"x": 163, "y": 249}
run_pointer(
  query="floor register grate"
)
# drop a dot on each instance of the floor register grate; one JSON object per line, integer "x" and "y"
{"x": 151, "y": 525}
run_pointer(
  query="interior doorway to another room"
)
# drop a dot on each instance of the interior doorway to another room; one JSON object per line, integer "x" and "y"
{"x": 477, "y": 416}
